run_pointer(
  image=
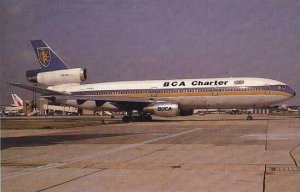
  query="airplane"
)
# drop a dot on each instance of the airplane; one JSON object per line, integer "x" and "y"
{"x": 17, "y": 100}
{"x": 165, "y": 98}
{"x": 16, "y": 107}
{"x": 288, "y": 109}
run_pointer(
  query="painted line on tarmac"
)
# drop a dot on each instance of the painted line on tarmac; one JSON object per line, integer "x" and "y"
{"x": 94, "y": 155}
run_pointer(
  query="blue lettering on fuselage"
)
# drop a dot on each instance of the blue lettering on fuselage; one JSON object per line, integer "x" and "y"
{"x": 174, "y": 84}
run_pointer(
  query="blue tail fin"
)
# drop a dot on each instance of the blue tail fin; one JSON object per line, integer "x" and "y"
{"x": 47, "y": 57}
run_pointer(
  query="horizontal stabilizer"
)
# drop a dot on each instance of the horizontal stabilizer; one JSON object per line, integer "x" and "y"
{"x": 37, "y": 88}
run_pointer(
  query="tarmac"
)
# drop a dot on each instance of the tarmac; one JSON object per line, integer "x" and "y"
{"x": 194, "y": 153}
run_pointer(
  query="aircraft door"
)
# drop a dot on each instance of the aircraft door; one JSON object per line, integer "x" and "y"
{"x": 268, "y": 90}
{"x": 153, "y": 91}
{"x": 215, "y": 91}
{"x": 213, "y": 101}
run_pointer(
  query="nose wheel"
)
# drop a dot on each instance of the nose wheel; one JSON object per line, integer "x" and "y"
{"x": 249, "y": 117}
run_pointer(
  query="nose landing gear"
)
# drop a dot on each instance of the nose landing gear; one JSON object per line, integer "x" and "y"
{"x": 249, "y": 117}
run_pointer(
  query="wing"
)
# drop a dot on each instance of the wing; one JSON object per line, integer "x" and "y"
{"x": 122, "y": 103}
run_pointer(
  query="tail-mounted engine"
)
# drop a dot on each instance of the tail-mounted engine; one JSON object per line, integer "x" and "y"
{"x": 59, "y": 77}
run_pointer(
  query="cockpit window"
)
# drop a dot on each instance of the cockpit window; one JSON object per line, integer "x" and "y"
{"x": 280, "y": 87}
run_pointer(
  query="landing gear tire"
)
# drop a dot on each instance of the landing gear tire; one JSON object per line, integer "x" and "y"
{"x": 148, "y": 118}
{"x": 249, "y": 117}
{"x": 134, "y": 118}
{"x": 104, "y": 122}
{"x": 126, "y": 119}
{"x": 144, "y": 118}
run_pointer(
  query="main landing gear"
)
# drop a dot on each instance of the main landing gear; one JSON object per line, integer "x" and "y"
{"x": 140, "y": 118}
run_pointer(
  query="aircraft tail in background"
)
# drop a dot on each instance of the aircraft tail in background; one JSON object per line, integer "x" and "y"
{"x": 18, "y": 102}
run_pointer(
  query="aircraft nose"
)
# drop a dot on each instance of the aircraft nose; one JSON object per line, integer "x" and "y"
{"x": 293, "y": 92}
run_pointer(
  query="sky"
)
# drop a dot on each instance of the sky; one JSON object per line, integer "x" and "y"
{"x": 119, "y": 40}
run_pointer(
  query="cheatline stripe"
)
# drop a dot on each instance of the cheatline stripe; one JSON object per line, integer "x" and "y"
{"x": 183, "y": 94}
{"x": 197, "y": 91}
{"x": 87, "y": 157}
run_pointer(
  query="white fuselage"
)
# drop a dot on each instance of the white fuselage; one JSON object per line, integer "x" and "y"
{"x": 216, "y": 93}
{"x": 13, "y": 110}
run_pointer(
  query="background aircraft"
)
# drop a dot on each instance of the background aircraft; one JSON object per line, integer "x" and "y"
{"x": 16, "y": 108}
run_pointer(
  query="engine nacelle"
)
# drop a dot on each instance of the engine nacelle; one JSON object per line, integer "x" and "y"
{"x": 59, "y": 77}
{"x": 163, "y": 109}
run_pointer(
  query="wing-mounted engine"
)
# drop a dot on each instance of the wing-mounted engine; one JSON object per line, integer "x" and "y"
{"x": 163, "y": 109}
{"x": 166, "y": 109}
{"x": 59, "y": 77}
